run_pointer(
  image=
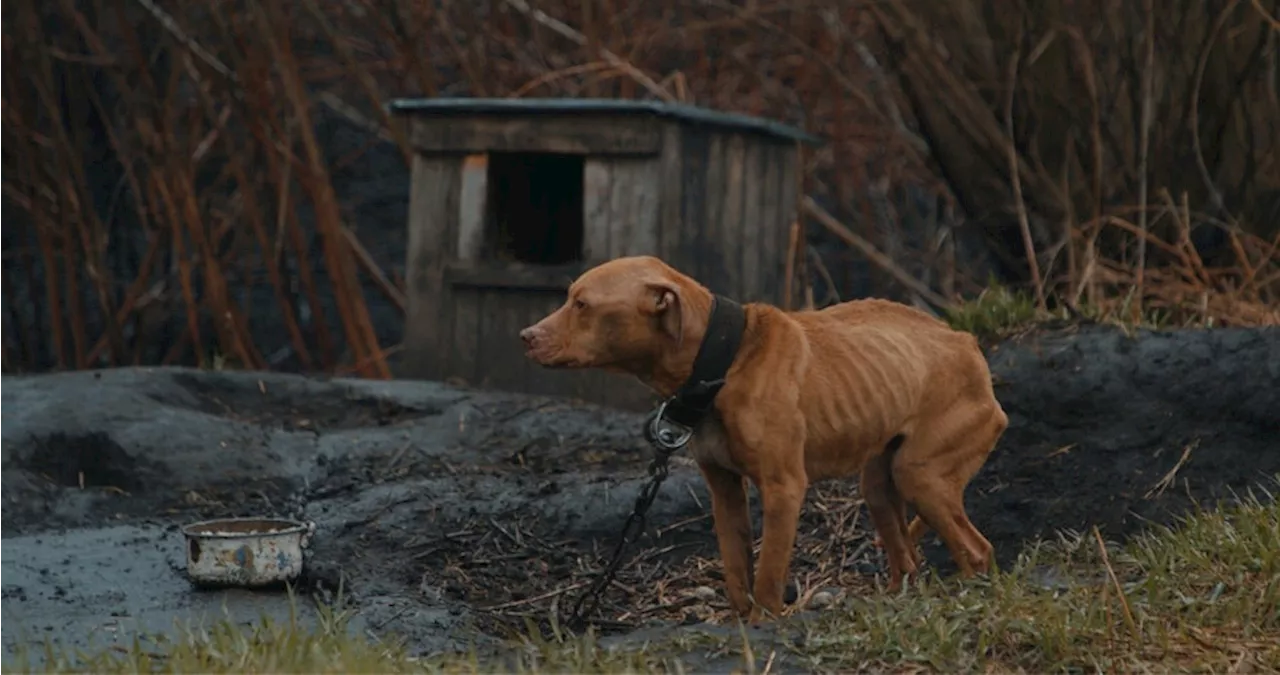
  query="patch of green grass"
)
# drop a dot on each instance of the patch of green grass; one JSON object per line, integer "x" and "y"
{"x": 1204, "y": 595}
{"x": 996, "y": 313}
{"x": 329, "y": 646}
{"x": 999, "y": 312}
{"x": 225, "y": 646}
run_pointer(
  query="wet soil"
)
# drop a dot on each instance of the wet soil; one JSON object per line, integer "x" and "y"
{"x": 451, "y": 516}
{"x": 1122, "y": 432}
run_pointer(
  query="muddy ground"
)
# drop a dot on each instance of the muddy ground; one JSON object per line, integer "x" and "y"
{"x": 450, "y": 516}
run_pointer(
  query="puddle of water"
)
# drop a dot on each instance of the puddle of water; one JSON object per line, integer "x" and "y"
{"x": 90, "y": 588}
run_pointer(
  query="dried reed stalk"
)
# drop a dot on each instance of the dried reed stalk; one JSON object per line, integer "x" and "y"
{"x": 1015, "y": 177}
{"x": 219, "y": 156}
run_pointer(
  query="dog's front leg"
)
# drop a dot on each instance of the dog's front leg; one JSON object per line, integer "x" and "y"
{"x": 733, "y": 532}
{"x": 782, "y": 496}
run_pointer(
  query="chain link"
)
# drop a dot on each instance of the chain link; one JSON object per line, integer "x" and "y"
{"x": 658, "y": 470}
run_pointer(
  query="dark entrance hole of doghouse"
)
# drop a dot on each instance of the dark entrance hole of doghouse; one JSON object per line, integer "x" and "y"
{"x": 536, "y": 204}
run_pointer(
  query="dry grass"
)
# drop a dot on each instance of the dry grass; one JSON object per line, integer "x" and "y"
{"x": 1054, "y": 123}
{"x": 219, "y": 182}
{"x": 1201, "y": 596}
{"x": 516, "y": 571}
{"x": 1179, "y": 291}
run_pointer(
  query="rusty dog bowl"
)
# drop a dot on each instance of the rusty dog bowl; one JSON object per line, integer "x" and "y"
{"x": 249, "y": 552}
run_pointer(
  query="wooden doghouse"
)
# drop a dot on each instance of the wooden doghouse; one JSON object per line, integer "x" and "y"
{"x": 512, "y": 198}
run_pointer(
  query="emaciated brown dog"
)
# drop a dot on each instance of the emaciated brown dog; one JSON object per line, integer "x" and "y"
{"x": 867, "y": 387}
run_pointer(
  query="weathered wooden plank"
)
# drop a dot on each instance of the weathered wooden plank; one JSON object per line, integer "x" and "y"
{"x": 734, "y": 235}
{"x": 503, "y": 363}
{"x": 753, "y": 221}
{"x": 595, "y": 210}
{"x": 472, "y": 205}
{"x": 511, "y": 277}
{"x": 633, "y": 207}
{"x": 709, "y": 226}
{"x": 430, "y": 185}
{"x": 646, "y": 201}
{"x": 568, "y": 134}
{"x": 463, "y": 356}
{"x": 786, "y": 205}
{"x": 672, "y": 194}
{"x": 695, "y": 162}
{"x": 621, "y": 219}
{"x": 488, "y": 367}
{"x": 765, "y": 259}
{"x": 434, "y": 184}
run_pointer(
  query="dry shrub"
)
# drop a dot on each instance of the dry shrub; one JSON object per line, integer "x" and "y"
{"x": 1064, "y": 127}
{"x": 1181, "y": 289}
{"x": 207, "y": 109}
{"x": 221, "y": 184}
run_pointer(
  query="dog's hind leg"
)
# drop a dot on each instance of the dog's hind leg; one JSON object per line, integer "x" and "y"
{"x": 916, "y": 529}
{"x": 932, "y": 469}
{"x": 888, "y": 515}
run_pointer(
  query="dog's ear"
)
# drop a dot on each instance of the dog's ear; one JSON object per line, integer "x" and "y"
{"x": 665, "y": 303}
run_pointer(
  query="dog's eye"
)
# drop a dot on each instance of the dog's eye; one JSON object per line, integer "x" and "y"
{"x": 579, "y": 304}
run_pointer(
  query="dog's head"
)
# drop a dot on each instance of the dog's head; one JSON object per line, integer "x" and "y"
{"x": 623, "y": 315}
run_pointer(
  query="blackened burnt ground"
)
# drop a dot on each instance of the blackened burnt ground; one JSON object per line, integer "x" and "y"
{"x": 450, "y": 515}
{"x": 1119, "y": 431}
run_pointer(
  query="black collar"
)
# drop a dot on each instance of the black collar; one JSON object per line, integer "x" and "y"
{"x": 694, "y": 399}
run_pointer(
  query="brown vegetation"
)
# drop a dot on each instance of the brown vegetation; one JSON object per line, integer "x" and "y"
{"x": 1143, "y": 136}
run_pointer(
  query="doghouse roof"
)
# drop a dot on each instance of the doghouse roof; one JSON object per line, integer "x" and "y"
{"x": 458, "y": 107}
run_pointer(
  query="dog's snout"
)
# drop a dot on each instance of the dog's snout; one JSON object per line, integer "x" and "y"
{"x": 529, "y": 335}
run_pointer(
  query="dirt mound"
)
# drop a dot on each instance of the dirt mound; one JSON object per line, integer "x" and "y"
{"x": 293, "y": 409}
{"x": 91, "y": 460}
{"x": 447, "y": 511}
{"x": 1118, "y": 431}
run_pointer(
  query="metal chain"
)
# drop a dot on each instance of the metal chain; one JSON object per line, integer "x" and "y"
{"x": 657, "y": 474}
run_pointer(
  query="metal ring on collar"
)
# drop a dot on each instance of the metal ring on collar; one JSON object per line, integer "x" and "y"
{"x": 665, "y": 434}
